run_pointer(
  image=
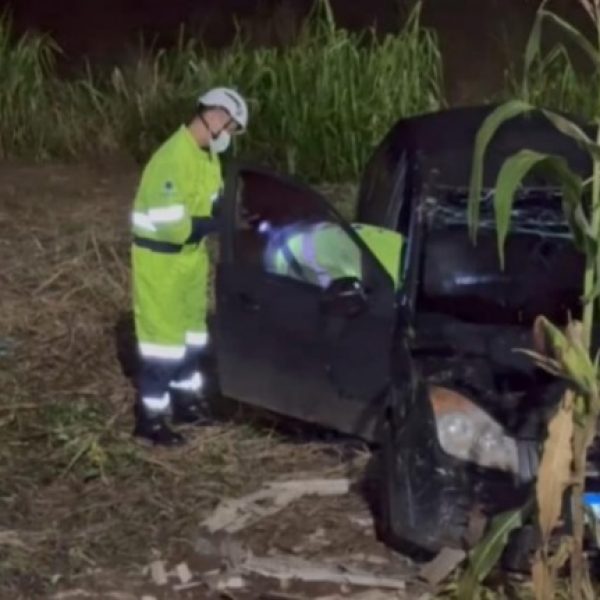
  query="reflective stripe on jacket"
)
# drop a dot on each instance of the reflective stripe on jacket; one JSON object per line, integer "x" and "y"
{"x": 177, "y": 191}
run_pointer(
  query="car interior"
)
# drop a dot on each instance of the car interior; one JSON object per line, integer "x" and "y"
{"x": 266, "y": 202}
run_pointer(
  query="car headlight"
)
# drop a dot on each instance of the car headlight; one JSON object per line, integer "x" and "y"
{"x": 467, "y": 432}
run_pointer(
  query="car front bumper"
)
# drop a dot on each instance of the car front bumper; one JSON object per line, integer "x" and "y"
{"x": 432, "y": 500}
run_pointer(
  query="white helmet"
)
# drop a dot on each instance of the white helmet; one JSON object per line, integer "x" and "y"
{"x": 228, "y": 100}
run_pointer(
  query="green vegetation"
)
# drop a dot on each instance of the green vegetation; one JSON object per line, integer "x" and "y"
{"x": 318, "y": 105}
{"x": 553, "y": 81}
{"x": 569, "y": 353}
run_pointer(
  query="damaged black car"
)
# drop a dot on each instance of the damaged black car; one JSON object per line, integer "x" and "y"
{"x": 425, "y": 367}
{"x": 409, "y": 341}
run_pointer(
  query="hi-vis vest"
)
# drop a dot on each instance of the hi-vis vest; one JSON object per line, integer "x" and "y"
{"x": 319, "y": 253}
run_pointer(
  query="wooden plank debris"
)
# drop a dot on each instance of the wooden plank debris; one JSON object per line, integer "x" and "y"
{"x": 158, "y": 572}
{"x": 445, "y": 563}
{"x": 370, "y": 595}
{"x": 183, "y": 573}
{"x": 233, "y": 515}
{"x": 291, "y": 568}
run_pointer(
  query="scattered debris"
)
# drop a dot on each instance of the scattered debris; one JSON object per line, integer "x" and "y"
{"x": 371, "y": 595}
{"x": 442, "y": 565}
{"x": 281, "y": 596}
{"x": 477, "y": 526}
{"x": 205, "y": 546}
{"x": 292, "y": 568}
{"x": 72, "y": 595}
{"x": 184, "y": 573}
{"x": 365, "y": 522}
{"x": 238, "y": 567}
{"x": 234, "y": 582}
{"x": 315, "y": 541}
{"x": 233, "y": 515}
{"x": 158, "y": 572}
{"x": 9, "y": 537}
{"x": 363, "y": 558}
{"x": 184, "y": 587}
{"x": 233, "y": 552}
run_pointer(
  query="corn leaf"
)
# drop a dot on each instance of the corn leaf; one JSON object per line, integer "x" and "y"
{"x": 543, "y": 362}
{"x": 511, "y": 175}
{"x": 581, "y": 229}
{"x": 546, "y": 566}
{"x": 486, "y": 132}
{"x": 544, "y": 584}
{"x": 572, "y": 130}
{"x": 488, "y": 551}
{"x": 578, "y": 359}
{"x": 533, "y": 48}
{"x": 595, "y": 292}
{"x": 554, "y": 474}
{"x": 573, "y": 34}
{"x": 589, "y": 9}
{"x": 570, "y": 353}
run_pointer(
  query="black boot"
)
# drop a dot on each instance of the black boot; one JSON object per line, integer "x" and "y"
{"x": 155, "y": 429}
{"x": 190, "y": 408}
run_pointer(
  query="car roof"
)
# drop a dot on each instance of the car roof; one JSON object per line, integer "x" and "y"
{"x": 443, "y": 142}
{"x": 437, "y": 151}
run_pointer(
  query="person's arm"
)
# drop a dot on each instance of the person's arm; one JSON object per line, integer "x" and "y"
{"x": 168, "y": 194}
{"x": 201, "y": 226}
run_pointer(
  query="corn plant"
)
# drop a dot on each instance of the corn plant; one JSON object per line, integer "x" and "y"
{"x": 567, "y": 354}
{"x": 554, "y": 82}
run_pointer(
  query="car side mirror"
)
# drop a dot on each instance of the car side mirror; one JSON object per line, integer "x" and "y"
{"x": 344, "y": 297}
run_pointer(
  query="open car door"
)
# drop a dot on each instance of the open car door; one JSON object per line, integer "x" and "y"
{"x": 282, "y": 344}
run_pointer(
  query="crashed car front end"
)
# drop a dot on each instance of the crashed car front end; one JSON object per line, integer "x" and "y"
{"x": 436, "y": 499}
{"x": 465, "y": 427}
{"x": 438, "y": 496}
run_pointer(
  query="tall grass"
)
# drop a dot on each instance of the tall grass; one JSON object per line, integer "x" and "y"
{"x": 26, "y": 68}
{"x": 555, "y": 82}
{"x": 318, "y": 105}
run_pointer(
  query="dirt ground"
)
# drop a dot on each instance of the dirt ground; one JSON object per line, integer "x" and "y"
{"x": 84, "y": 510}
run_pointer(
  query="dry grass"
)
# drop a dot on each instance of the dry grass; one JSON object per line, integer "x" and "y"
{"x": 81, "y": 505}
{"x": 76, "y": 494}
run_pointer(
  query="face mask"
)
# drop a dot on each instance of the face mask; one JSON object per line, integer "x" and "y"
{"x": 220, "y": 143}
